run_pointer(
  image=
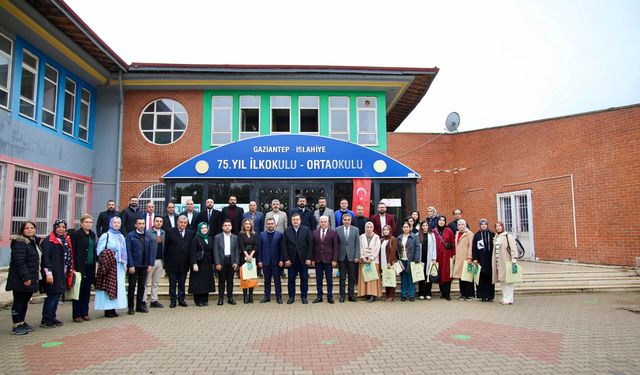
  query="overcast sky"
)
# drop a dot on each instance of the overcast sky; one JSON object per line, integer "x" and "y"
{"x": 501, "y": 62}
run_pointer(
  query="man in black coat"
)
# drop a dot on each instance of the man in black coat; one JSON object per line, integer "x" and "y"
{"x": 227, "y": 258}
{"x": 170, "y": 219}
{"x": 191, "y": 215}
{"x": 212, "y": 217}
{"x": 297, "y": 252}
{"x": 176, "y": 259}
{"x": 307, "y": 219}
{"x": 129, "y": 216}
{"x": 102, "y": 225}
{"x": 233, "y": 213}
{"x": 453, "y": 225}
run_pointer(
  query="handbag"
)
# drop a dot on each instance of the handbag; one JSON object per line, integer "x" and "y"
{"x": 369, "y": 272}
{"x": 476, "y": 274}
{"x": 433, "y": 273}
{"x": 389, "y": 278}
{"x": 417, "y": 271}
{"x": 513, "y": 277}
{"x": 247, "y": 283}
{"x": 249, "y": 270}
{"x": 74, "y": 291}
{"x": 398, "y": 267}
{"x": 467, "y": 274}
{"x": 446, "y": 244}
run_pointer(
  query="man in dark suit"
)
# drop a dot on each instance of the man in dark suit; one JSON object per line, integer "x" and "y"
{"x": 176, "y": 259}
{"x": 191, "y": 215}
{"x": 227, "y": 257}
{"x": 170, "y": 220}
{"x": 306, "y": 215}
{"x": 233, "y": 213}
{"x": 297, "y": 251}
{"x": 212, "y": 217}
{"x": 383, "y": 218}
{"x": 129, "y": 216}
{"x": 102, "y": 224}
{"x": 325, "y": 246}
{"x": 270, "y": 260}
{"x": 256, "y": 216}
{"x": 348, "y": 256}
{"x": 360, "y": 220}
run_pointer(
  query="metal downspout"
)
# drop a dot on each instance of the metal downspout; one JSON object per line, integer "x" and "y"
{"x": 119, "y": 151}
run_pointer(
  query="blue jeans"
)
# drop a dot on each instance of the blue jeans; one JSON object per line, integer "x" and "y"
{"x": 49, "y": 307}
{"x": 407, "y": 287}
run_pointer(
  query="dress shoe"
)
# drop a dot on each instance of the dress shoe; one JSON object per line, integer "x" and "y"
{"x": 172, "y": 304}
{"x": 231, "y": 301}
{"x": 78, "y": 320}
{"x": 290, "y": 300}
{"x": 130, "y": 311}
{"x": 47, "y": 325}
{"x": 371, "y": 299}
{"x": 317, "y": 300}
{"x": 205, "y": 303}
{"x": 182, "y": 303}
{"x": 142, "y": 309}
{"x": 330, "y": 300}
{"x": 447, "y": 298}
{"x": 156, "y": 304}
{"x": 57, "y": 323}
{"x": 279, "y": 300}
{"x": 220, "y": 301}
{"x": 86, "y": 318}
{"x": 304, "y": 300}
{"x": 265, "y": 300}
{"x": 341, "y": 299}
{"x": 352, "y": 299}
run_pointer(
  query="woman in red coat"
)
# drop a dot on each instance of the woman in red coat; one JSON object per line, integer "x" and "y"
{"x": 444, "y": 252}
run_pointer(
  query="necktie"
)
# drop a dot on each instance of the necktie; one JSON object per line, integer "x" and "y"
{"x": 182, "y": 233}
{"x": 346, "y": 232}
{"x": 150, "y": 222}
{"x": 209, "y": 215}
{"x": 322, "y": 235}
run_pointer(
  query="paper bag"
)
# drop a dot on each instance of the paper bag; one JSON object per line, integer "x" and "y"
{"x": 476, "y": 274}
{"x": 74, "y": 292}
{"x": 369, "y": 272}
{"x": 248, "y": 283}
{"x": 417, "y": 271}
{"x": 389, "y": 278}
{"x": 249, "y": 270}
{"x": 513, "y": 278}
{"x": 466, "y": 274}
{"x": 398, "y": 267}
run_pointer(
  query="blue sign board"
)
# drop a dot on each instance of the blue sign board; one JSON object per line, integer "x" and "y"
{"x": 290, "y": 156}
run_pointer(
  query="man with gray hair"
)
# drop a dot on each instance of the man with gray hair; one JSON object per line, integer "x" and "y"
{"x": 176, "y": 259}
{"x": 325, "y": 246}
{"x": 279, "y": 216}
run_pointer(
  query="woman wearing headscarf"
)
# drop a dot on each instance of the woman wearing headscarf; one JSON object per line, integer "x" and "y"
{"x": 201, "y": 281}
{"x": 84, "y": 243}
{"x": 428, "y": 257}
{"x": 24, "y": 274}
{"x": 408, "y": 251}
{"x": 249, "y": 246}
{"x": 482, "y": 252}
{"x": 112, "y": 252}
{"x": 57, "y": 265}
{"x": 369, "y": 257}
{"x": 505, "y": 252}
{"x": 444, "y": 253}
{"x": 388, "y": 255}
{"x": 463, "y": 257}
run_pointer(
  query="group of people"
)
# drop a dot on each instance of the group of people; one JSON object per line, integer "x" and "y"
{"x": 140, "y": 246}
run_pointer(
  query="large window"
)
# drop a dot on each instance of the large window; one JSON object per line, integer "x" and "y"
{"x": 50, "y": 96}
{"x": 280, "y": 114}
{"x": 154, "y": 194}
{"x": 43, "y": 205}
{"x": 28, "y": 85}
{"x": 221, "y": 107}
{"x": 64, "y": 196}
{"x": 163, "y": 121}
{"x": 6, "y": 52}
{"x": 85, "y": 109}
{"x": 249, "y": 116}
{"x": 21, "y": 203}
{"x": 69, "y": 106}
{"x": 339, "y": 117}
{"x": 309, "y": 114}
{"x": 80, "y": 207}
{"x": 367, "y": 121}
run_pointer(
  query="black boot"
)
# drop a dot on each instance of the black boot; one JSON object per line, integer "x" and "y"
{"x": 251, "y": 295}
{"x": 245, "y": 296}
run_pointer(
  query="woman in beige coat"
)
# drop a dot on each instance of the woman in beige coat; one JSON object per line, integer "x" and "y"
{"x": 505, "y": 252}
{"x": 463, "y": 257}
{"x": 369, "y": 255}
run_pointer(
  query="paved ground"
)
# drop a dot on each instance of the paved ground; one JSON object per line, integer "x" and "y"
{"x": 546, "y": 334}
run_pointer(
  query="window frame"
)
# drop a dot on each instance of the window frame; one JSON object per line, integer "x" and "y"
{"x": 272, "y": 107}
{"x": 246, "y": 134}
{"x": 79, "y": 210}
{"x": 215, "y": 108}
{"x": 348, "y": 113}
{"x": 375, "y": 120}
{"x": 154, "y": 192}
{"x": 27, "y": 199}
{"x": 9, "y": 57}
{"x": 301, "y": 108}
{"x": 88, "y": 119}
{"x": 73, "y": 109}
{"x": 55, "y": 104}
{"x": 49, "y": 190}
{"x": 36, "y": 80}
{"x": 66, "y": 193}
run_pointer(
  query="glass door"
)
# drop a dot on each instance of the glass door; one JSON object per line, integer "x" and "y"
{"x": 514, "y": 209}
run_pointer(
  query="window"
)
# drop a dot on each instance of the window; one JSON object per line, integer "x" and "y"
{"x": 163, "y": 121}
{"x": 21, "y": 204}
{"x": 50, "y": 96}
{"x": 280, "y": 114}
{"x": 3, "y": 181}
{"x": 69, "y": 106}
{"x": 80, "y": 203}
{"x": 339, "y": 117}
{"x": 309, "y": 114}
{"x": 85, "y": 107}
{"x": 367, "y": 122}
{"x": 249, "y": 116}
{"x": 6, "y": 52}
{"x": 221, "y": 107}
{"x": 28, "y": 85}
{"x": 43, "y": 204}
{"x": 64, "y": 206}
{"x": 154, "y": 194}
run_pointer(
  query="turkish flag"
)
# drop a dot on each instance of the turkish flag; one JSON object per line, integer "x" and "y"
{"x": 362, "y": 194}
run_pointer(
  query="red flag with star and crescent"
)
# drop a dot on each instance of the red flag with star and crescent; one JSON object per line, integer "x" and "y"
{"x": 362, "y": 194}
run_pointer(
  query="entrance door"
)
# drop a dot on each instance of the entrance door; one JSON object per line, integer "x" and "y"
{"x": 287, "y": 192}
{"x": 514, "y": 209}
{"x": 269, "y": 192}
{"x": 311, "y": 192}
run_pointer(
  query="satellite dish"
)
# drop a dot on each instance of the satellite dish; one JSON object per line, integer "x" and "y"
{"x": 452, "y": 122}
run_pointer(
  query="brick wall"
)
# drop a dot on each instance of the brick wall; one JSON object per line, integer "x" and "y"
{"x": 143, "y": 163}
{"x": 601, "y": 150}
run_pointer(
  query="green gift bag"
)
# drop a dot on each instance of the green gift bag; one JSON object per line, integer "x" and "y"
{"x": 476, "y": 274}
{"x": 466, "y": 274}
{"x": 389, "y": 278}
{"x": 74, "y": 292}
{"x": 513, "y": 277}
{"x": 369, "y": 272}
